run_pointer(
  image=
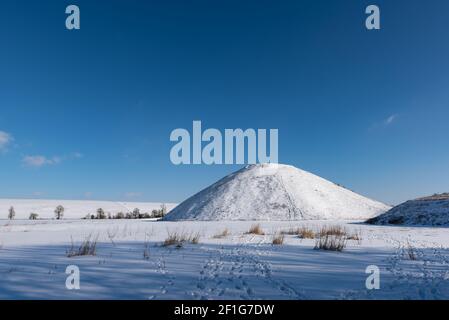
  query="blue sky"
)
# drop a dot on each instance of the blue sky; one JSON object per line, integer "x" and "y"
{"x": 87, "y": 114}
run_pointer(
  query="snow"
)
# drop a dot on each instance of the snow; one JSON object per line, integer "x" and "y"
{"x": 74, "y": 209}
{"x": 239, "y": 266}
{"x": 275, "y": 192}
{"x": 429, "y": 211}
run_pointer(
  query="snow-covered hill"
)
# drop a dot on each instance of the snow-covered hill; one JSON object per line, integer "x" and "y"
{"x": 74, "y": 209}
{"x": 428, "y": 211}
{"x": 275, "y": 192}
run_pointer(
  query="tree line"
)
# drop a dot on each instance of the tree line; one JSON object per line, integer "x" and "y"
{"x": 101, "y": 214}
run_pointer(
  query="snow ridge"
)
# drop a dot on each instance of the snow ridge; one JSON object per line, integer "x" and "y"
{"x": 429, "y": 211}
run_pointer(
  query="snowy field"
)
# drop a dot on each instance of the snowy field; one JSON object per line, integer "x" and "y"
{"x": 73, "y": 209}
{"x": 131, "y": 263}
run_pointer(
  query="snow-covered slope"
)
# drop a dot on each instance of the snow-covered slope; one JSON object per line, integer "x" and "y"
{"x": 275, "y": 192}
{"x": 429, "y": 211}
{"x": 74, "y": 209}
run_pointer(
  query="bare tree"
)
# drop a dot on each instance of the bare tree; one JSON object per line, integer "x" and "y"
{"x": 163, "y": 209}
{"x": 59, "y": 212}
{"x": 136, "y": 213}
{"x": 11, "y": 213}
{"x": 101, "y": 214}
{"x": 33, "y": 216}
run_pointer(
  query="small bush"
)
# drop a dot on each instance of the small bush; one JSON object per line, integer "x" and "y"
{"x": 178, "y": 239}
{"x": 330, "y": 242}
{"x": 291, "y": 231}
{"x": 333, "y": 231}
{"x": 87, "y": 248}
{"x": 278, "y": 239}
{"x": 305, "y": 233}
{"x": 256, "y": 229}
{"x": 411, "y": 252}
{"x": 146, "y": 249}
{"x": 356, "y": 236}
{"x": 194, "y": 239}
{"x": 222, "y": 234}
{"x": 111, "y": 235}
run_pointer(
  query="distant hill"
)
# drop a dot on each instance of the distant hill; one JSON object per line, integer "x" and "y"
{"x": 426, "y": 211}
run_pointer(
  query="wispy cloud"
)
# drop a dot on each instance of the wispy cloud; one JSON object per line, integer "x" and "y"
{"x": 5, "y": 140}
{"x": 76, "y": 155}
{"x": 39, "y": 161}
{"x": 388, "y": 121}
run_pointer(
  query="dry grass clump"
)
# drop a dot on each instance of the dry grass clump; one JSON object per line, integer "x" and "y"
{"x": 298, "y": 231}
{"x": 291, "y": 231}
{"x": 305, "y": 233}
{"x": 146, "y": 248}
{"x": 302, "y": 232}
{"x": 222, "y": 234}
{"x": 178, "y": 239}
{"x": 333, "y": 231}
{"x": 278, "y": 239}
{"x": 332, "y": 238}
{"x": 356, "y": 236}
{"x": 87, "y": 248}
{"x": 330, "y": 242}
{"x": 194, "y": 239}
{"x": 256, "y": 229}
{"x": 410, "y": 251}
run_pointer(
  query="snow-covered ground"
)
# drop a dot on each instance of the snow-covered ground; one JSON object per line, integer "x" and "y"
{"x": 131, "y": 263}
{"x": 74, "y": 209}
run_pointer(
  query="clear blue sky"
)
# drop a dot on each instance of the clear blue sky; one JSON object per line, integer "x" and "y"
{"x": 87, "y": 114}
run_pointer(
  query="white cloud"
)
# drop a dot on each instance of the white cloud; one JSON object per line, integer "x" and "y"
{"x": 381, "y": 124}
{"x": 390, "y": 119}
{"x": 76, "y": 155}
{"x": 5, "y": 140}
{"x": 39, "y": 161}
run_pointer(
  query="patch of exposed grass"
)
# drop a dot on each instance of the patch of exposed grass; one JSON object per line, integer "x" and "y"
{"x": 411, "y": 252}
{"x": 256, "y": 229}
{"x": 330, "y": 242}
{"x": 278, "y": 239}
{"x": 356, "y": 236}
{"x": 306, "y": 233}
{"x": 332, "y": 238}
{"x": 87, "y": 248}
{"x": 222, "y": 234}
{"x": 336, "y": 230}
{"x": 178, "y": 239}
{"x": 194, "y": 238}
{"x": 290, "y": 231}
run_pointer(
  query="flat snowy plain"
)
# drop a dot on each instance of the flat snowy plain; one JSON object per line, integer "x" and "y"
{"x": 131, "y": 262}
